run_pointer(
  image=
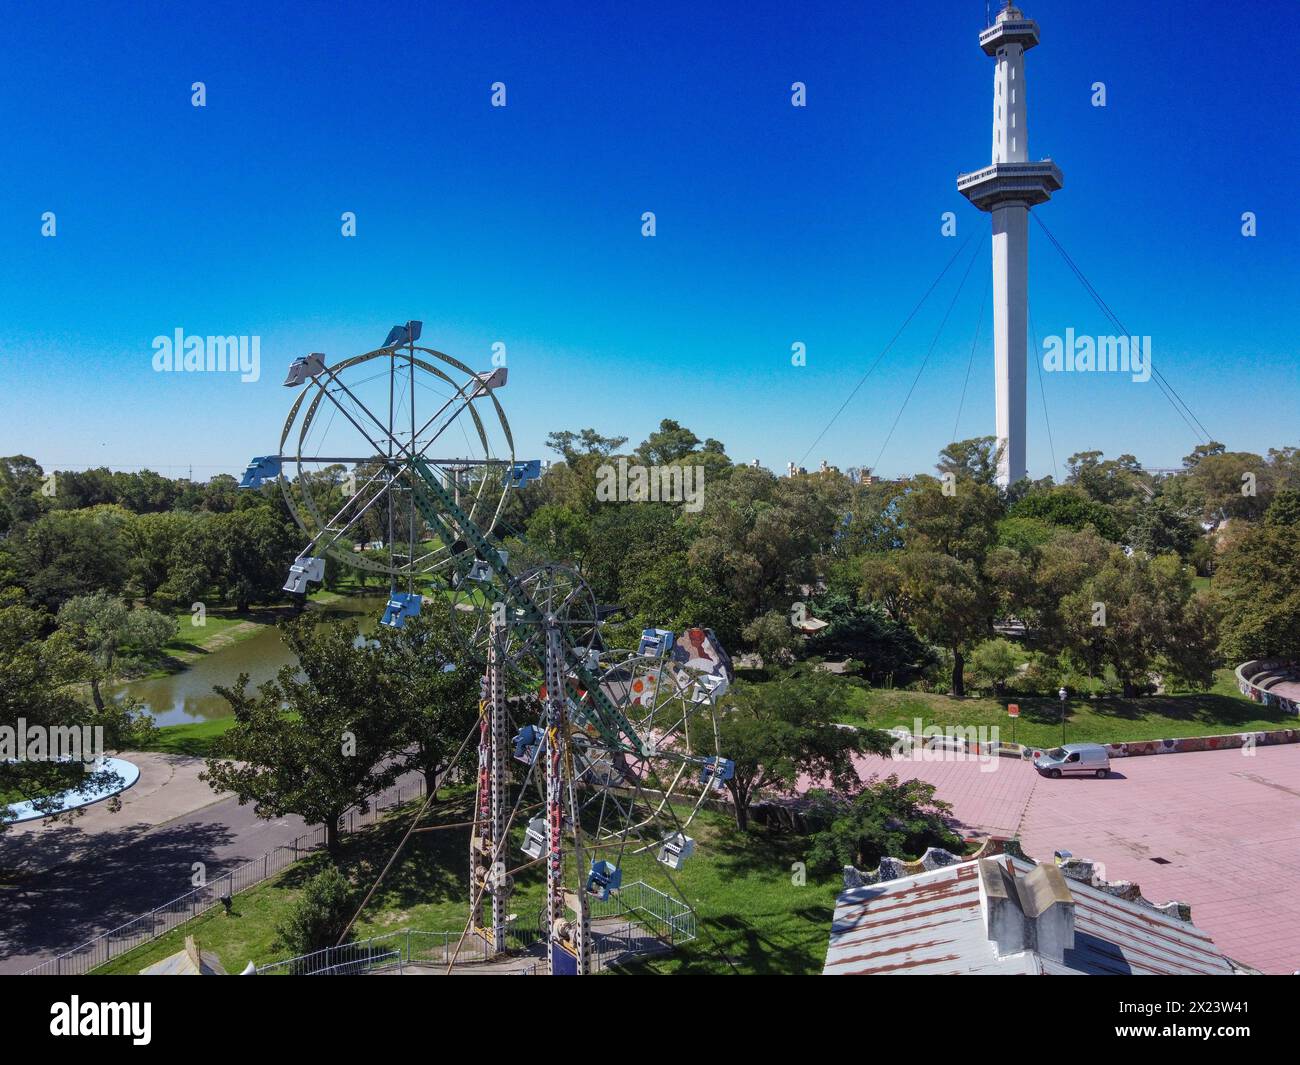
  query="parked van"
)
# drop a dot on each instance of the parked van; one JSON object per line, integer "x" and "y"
{"x": 1089, "y": 758}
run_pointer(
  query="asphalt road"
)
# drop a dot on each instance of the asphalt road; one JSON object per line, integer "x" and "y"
{"x": 115, "y": 874}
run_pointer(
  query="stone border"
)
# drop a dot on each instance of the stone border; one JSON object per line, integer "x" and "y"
{"x": 1255, "y": 693}
{"x": 1138, "y": 748}
{"x": 75, "y": 799}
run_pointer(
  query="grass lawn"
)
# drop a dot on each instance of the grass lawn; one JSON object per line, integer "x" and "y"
{"x": 1113, "y": 719}
{"x": 191, "y": 738}
{"x": 740, "y": 885}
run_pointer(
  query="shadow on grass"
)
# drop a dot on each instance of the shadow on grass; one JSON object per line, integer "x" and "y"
{"x": 1200, "y": 708}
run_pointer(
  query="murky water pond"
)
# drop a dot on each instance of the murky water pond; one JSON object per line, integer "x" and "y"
{"x": 188, "y": 696}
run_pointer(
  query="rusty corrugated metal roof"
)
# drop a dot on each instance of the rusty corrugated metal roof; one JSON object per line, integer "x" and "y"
{"x": 934, "y": 923}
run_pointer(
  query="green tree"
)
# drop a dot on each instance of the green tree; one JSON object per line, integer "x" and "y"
{"x": 995, "y": 661}
{"x": 778, "y": 730}
{"x": 74, "y": 552}
{"x": 21, "y": 480}
{"x": 884, "y": 818}
{"x": 1258, "y": 583}
{"x": 319, "y": 915}
{"x": 1285, "y": 508}
{"x": 774, "y": 638}
{"x": 1161, "y": 529}
{"x": 1140, "y": 615}
{"x": 253, "y": 549}
{"x": 888, "y": 649}
{"x": 38, "y": 687}
{"x": 116, "y": 639}
{"x": 437, "y": 691}
{"x": 320, "y": 737}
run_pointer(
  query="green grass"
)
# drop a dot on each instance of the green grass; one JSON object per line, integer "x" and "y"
{"x": 194, "y": 738}
{"x": 754, "y": 918}
{"x": 1112, "y": 719}
{"x": 741, "y": 885}
{"x": 425, "y": 891}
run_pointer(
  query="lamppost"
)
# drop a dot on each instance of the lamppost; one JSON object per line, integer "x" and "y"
{"x": 1062, "y": 696}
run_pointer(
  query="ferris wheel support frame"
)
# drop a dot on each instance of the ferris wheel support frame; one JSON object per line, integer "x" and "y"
{"x": 492, "y": 811}
{"x": 575, "y": 700}
{"x": 568, "y": 920}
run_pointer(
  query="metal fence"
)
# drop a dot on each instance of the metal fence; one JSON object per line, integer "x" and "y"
{"x": 656, "y": 920}
{"x": 149, "y": 926}
{"x": 409, "y": 946}
{"x": 667, "y": 919}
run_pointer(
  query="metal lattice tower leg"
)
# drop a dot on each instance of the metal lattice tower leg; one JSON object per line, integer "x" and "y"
{"x": 487, "y": 848}
{"x": 499, "y": 776}
{"x": 568, "y": 924}
{"x": 480, "y": 847}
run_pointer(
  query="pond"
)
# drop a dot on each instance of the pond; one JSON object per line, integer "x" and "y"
{"x": 185, "y": 697}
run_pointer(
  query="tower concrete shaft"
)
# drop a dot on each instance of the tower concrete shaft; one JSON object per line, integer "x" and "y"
{"x": 1007, "y": 189}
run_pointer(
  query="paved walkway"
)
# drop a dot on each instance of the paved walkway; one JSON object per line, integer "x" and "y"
{"x": 1225, "y": 826}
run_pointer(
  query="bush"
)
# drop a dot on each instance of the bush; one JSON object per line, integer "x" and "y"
{"x": 319, "y": 915}
{"x": 993, "y": 662}
{"x": 885, "y": 819}
{"x": 1042, "y": 675}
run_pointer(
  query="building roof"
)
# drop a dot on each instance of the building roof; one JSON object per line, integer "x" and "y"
{"x": 939, "y": 922}
{"x": 188, "y": 962}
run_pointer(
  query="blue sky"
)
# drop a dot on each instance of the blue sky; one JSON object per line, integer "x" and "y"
{"x": 522, "y": 224}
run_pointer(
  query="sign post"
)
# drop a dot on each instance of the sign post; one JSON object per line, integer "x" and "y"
{"x": 1013, "y": 712}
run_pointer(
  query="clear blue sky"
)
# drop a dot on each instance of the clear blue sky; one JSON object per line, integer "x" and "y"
{"x": 522, "y": 224}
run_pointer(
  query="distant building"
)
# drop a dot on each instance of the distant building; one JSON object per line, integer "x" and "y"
{"x": 1006, "y": 915}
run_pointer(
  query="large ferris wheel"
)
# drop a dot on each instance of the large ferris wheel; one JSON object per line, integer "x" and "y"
{"x": 619, "y": 748}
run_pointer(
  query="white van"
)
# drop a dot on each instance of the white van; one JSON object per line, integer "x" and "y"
{"x": 1077, "y": 758}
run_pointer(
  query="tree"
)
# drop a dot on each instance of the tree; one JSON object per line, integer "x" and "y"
{"x": 974, "y": 460}
{"x": 1285, "y": 508}
{"x": 318, "y": 743}
{"x": 21, "y": 480}
{"x": 779, "y": 730}
{"x": 253, "y": 550}
{"x": 1161, "y": 529}
{"x": 1138, "y": 615}
{"x": 943, "y": 598}
{"x": 888, "y": 649}
{"x": 74, "y": 552}
{"x": 1258, "y": 584}
{"x": 38, "y": 679}
{"x": 437, "y": 692}
{"x": 1068, "y": 506}
{"x": 1230, "y": 484}
{"x": 774, "y": 638}
{"x": 319, "y": 915}
{"x": 115, "y": 639}
{"x": 884, "y": 818}
{"x": 995, "y": 661}
{"x": 670, "y": 443}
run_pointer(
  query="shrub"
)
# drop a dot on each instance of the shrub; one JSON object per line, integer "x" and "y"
{"x": 319, "y": 915}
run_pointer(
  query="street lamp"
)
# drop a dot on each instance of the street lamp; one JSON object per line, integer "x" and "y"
{"x": 1062, "y": 696}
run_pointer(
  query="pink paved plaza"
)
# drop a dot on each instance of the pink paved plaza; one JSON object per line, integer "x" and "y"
{"x": 1227, "y": 823}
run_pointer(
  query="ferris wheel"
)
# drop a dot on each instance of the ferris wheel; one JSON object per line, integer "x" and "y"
{"x": 400, "y": 462}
